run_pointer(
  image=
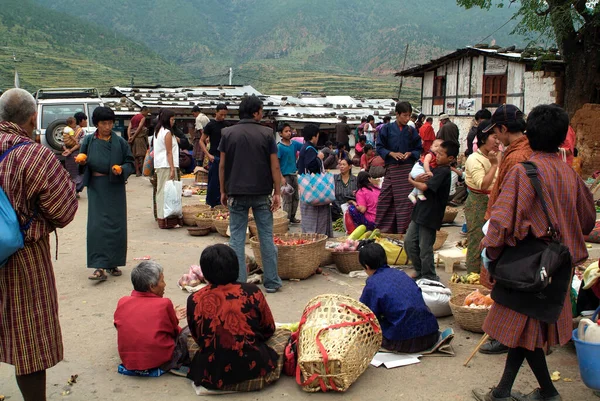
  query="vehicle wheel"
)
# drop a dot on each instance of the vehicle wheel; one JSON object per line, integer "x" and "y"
{"x": 54, "y": 134}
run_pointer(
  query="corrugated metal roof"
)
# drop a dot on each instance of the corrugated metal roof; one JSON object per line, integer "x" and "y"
{"x": 321, "y": 109}
{"x": 511, "y": 53}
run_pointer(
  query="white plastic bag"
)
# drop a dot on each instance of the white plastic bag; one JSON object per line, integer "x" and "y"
{"x": 436, "y": 297}
{"x": 173, "y": 199}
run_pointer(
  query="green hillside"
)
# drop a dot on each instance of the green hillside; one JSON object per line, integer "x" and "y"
{"x": 279, "y": 46}
{"x": 50, "y": 49}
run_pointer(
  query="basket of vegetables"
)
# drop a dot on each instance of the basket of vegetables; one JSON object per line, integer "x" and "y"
{"x": 205, "y": 218}
{"x": 471, "y": 309}
{"x": 298, "y": 255}
{"x": 465, "y": 284}
{"x": 221, "y": 222}
{"x": 345, "y": 256}
{"x": 191, "y": 211}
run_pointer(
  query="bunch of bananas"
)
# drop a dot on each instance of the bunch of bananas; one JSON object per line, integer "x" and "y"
{"x": 471, "y": 278}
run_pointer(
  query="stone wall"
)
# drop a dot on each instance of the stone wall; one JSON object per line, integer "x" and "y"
{"x": 586, "y": 123}
{"x": 541, "y": 88}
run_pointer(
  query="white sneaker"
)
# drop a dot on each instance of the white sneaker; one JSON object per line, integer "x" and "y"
{"x": 422, "y": 197}
{"x": 413, "y": 199}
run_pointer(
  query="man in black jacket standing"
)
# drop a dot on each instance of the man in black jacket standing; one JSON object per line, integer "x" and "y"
{"x": 249, "y": 173}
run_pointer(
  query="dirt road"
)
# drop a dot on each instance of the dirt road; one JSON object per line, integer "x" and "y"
{"x": 86, "y": 316}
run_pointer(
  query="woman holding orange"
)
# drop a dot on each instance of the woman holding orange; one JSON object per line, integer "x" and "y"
{"x": 109, "y": 163}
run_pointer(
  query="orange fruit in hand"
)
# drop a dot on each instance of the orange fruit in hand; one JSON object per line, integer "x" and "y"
{"x": 117, "y": 169}
{"x": 82, "y": 157}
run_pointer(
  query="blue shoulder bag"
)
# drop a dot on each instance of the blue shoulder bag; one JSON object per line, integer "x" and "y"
{"x": 12, "y": 234}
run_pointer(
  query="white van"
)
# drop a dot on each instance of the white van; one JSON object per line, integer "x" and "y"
{"x": 55, "y": 106}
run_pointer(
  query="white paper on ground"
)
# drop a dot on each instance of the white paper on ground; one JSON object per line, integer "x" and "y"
{"x": 390, "y": 360}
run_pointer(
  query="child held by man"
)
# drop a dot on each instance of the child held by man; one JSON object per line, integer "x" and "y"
{"x": 425, "y": 165}
{"x": 428, "y": 213}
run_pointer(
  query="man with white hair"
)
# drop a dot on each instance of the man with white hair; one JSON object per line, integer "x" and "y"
{"x": 43, "y": 197}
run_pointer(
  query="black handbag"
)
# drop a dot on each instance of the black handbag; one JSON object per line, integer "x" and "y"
{"x": 533, "y": 276}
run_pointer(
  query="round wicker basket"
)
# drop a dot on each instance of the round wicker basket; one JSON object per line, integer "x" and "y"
{"x": 470, "y": 319}
{"x": 277, "y": 214}
{"x": 198, "y": 231}
{"x": 349, "y": 347}
{"x": 190, "y": 212}
{"x": 295, "y": 261}
{"x": 220, "y": 208}
{"x": 459, "y": 288}
{"x": 280, "y": 226}
{"x": 206, "y": 219}
{"x": 346, "y": 262}
{"x": 440, "y": 237}
{"x": 222, "y": 226}
{"x": 449, "y": 215}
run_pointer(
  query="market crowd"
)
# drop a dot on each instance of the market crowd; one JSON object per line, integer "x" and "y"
{"x": 406, "y": 178}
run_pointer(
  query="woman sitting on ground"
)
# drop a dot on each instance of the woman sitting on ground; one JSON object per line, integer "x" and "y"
{"x": 359, "y": 150}
{"x": 234, "y": 328}
{"x": 364, "y": 208}
{"x": 406, "y": 322}
{"x": 148, "y": 332}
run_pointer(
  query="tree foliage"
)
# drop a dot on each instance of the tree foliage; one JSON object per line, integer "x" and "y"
{"x": 559, "y": 20}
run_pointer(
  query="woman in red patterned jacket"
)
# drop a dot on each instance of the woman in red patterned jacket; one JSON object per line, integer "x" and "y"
{"x": 234, "y": 328}
{"x": 518, "y": 212}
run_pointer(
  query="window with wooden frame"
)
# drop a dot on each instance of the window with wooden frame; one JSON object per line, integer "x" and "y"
{"x": 439, "y": 90}
{"x": 494, "y": 90}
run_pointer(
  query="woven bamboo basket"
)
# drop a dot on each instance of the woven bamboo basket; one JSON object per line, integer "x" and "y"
{"x": 277, "y": 214}
{"x": 440, "y": 237}
{"x": 198, "y": 231}
{"x": 399, "y": 237}
{"x": 222, "y": 226}
{"x": 349, "y": 349}
{"x": 280, "y": 226}
{"x": 220, "y": 208}
{"x": 459, "y": 288}
{"x": 295, "y": 261}
{"x": 190, "y": 212}
{"x": 346, "y": 262}
{"x": 206, "y": 220}
{"x": 201, "y": 176}
{"x": 449, "y": 215}
{"x": 470, "y": 319}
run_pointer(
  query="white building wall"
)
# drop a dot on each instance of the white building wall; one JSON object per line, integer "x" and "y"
{"x": 514, "y": 84}
{"x": 477, "y": 81}
{"x": 464, "y": 125}
{"x": 464, "y": 71}
{"x": 427, "y": 93}
{"x": 451, "y": 79}
{"x": 540, "y": 88}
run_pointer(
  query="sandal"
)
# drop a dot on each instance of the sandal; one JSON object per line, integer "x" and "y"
{"x": 116, "y": 272}
{"x": 98, "y": 275}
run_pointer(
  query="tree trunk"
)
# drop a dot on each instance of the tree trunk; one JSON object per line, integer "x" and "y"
{"x": 582, "y": 74}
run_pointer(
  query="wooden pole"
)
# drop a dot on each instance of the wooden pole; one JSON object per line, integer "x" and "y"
{"x": 483, "y": 340}
{"x": 403, "y": 65}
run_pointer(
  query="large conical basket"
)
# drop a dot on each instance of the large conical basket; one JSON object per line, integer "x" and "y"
{"x": 341, "y": 331}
